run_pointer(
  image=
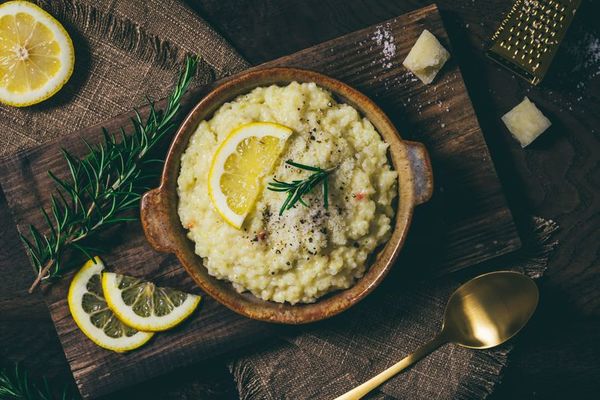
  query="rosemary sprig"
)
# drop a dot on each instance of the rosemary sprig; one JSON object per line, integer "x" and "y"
{"x": 17, "y": 385}
{"x": 298, "y": 188}
{"x": 102, "y": 186}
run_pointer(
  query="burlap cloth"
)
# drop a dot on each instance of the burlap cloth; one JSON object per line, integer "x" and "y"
{"x": 329, "y": 358}
{"x": 127, "y": 50}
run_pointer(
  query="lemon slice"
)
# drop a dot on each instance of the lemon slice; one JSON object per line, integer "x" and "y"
{"x": 238, "y": 166}
{"x": 36, "y": 54}
{"x": 92, "y": 315}
{"x": 144, "y": 306}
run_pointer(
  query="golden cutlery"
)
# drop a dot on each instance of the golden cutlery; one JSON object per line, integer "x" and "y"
{"x": 484, "y": 312}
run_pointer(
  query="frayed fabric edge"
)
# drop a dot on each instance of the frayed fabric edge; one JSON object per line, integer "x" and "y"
{"x": 248, "y": 384}
{"x": 123, "y": 32}
{"x": 489, "y": 365}
{"x": 533, "y": 262}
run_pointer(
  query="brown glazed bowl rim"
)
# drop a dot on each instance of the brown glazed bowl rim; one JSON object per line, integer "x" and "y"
{"x": 163, "y": 228}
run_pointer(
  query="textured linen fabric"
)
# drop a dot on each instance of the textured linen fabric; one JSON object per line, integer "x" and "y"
{"x": 124, "y": 51}
{"x": 329, "y": 358}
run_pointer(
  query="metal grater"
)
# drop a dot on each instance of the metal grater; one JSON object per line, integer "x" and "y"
{"x": 529, "y": 36}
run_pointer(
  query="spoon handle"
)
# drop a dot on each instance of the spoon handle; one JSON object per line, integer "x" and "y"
{"x": 360, "y": 391}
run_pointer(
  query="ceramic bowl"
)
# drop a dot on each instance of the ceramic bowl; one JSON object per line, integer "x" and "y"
{"x": 166, "y": 234}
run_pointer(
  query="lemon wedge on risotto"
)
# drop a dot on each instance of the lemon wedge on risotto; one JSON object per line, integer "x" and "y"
{"x": 36, "y": 54}
{"x": 240, "y": 163}
{"x": 92, "y": 315}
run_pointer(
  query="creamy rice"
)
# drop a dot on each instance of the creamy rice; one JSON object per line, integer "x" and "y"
{"x": 308, "y": 251}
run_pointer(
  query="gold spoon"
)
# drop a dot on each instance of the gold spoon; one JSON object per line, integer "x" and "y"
{"x": 484, "y": 312}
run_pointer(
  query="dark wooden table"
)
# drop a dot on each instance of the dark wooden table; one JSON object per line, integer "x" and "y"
{"x": 558, "y": 177}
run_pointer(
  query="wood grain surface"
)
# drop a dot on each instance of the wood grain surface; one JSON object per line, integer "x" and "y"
{"x": 557, "y": 177}
{"x": 467, "y": 222}
{"x": 558, "y": 355}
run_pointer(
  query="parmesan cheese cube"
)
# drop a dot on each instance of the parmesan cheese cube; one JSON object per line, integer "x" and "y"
{"x": 526, "y": 122}
{"x": 426, "y": 57}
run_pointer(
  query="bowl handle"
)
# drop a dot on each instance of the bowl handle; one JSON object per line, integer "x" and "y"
{"x": 422, "y": 171}
{"x": 155, "y": 221}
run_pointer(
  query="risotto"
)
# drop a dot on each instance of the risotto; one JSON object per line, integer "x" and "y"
{"x": 307, "y": 251}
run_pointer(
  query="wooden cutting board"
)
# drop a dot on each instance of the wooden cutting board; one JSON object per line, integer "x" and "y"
{"x": 466, "y": 222}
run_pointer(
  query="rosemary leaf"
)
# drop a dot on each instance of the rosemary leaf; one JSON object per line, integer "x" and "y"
{"x": 16, "y": 384}
{"x": 300, "y": 187}
{"x": 102, "y": 185}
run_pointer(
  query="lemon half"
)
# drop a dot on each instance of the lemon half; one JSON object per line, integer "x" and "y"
{"x": 145, "y": 306}
{"x": 92, "y": 315}
{"x": 36, "y": 54}
{"x": 240, "y": 163}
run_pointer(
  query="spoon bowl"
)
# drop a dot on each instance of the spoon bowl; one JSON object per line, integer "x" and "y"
{"x": 490, "y": 309}
{"x": 484, "y": 312}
